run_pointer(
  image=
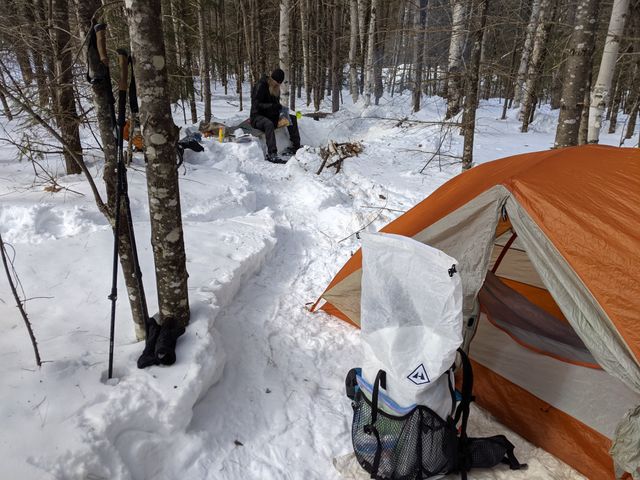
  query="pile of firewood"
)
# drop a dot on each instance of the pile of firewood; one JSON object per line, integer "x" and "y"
{"x": 335, "y": 153}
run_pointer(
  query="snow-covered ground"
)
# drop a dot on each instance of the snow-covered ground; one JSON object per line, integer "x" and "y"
{"x": 258, "y": 388}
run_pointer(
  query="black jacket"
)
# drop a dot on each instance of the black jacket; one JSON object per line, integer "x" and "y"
{"x": 263, "y": 103}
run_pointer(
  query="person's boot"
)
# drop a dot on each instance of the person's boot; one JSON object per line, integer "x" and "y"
{"x": 148, "y": 357}
{"x": 291, "y": 150}
{"x": 170, "y": 330}
{"x": 274, "y": 158}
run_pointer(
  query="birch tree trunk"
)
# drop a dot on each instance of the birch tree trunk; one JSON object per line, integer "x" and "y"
{"x": 578, "y": 67}
{"x": 471, "y": 101}
{"x": 353, "y": 50}
{"x": 418, "y": 55}
{"x": 66, "y": 113}
{"x": 369, "y": 67}
{"x": 160, "y": 138}
{"x": 526, "y": 53}
{"x": 304, "y": 31}
{"x": 547, "y": 12}
{"x": 285, "y": 61}
{"x": 454, "y": 92}
{"x": 204, "y": 61}
{"x": 600, "y": 92}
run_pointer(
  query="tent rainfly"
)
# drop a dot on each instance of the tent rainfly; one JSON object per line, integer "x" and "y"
{"x": 548, "y": 245}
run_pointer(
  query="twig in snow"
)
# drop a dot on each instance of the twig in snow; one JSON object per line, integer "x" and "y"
{"x": 339, "y": 152}
{"x": 384, "y": 208}
{"x": 357, "y": 233}
{"x": 19, "y": 302}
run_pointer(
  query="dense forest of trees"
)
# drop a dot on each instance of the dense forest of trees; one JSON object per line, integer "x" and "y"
{"x": 580, "y": 56}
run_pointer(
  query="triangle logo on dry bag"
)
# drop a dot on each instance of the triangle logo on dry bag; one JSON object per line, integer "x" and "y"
{"x": 419, "y": 376}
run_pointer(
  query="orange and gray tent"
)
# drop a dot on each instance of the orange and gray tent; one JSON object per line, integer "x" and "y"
{"x": 548, "y": 246}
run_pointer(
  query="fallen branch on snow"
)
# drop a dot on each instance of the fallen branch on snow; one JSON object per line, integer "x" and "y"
{"x": 335, "y": 153}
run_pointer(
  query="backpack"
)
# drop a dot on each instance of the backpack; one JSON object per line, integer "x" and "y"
{"x": 395, "y": 443}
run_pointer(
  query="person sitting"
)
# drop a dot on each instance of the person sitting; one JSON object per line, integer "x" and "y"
{"x": 265, "y": 113}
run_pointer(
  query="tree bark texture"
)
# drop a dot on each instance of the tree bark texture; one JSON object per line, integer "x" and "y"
{"x": 526, "y": 52}
{"x": 284, "y": 57}
{"x": 577, "y": 71}
{"x": 160, "y": 138}
{"x": 418, "y": 54}
{"x": 66, "y": 113}
{"x": 5, "y": 105}
{"x": 616, "y": 98}
{"x": 547, "y": 13}
{"x": 584, "y": 118}
{"x": 471, "y": 101}
{"x": 38, "y": 64}
{"x": 371, "y": 58}
{"x": 454, "y": 87}
{"x": 600, "y": 92}
{"x": 336, "y": 64}
{"x": 634, "y": 95}
{"x": 306, "y": 58}
{"x": 353, "y": 50}
{"x": 205, "y": 67}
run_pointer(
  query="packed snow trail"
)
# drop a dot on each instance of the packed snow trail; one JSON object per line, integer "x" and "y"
{"x": 284, "y": 374}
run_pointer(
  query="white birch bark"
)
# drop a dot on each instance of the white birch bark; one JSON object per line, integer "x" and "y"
{"x": 353, "y": 51}
{"x": 369, "y": 67}
{"x": 600, "y": 92}
{"x": 204, "y": 61}
{"x": 455, "y": 57}
{"x": 547, "y": 13}
{"x": 285, "y": 10}
{"x": 526, "y": 53}
{"x": 304, "y": 32}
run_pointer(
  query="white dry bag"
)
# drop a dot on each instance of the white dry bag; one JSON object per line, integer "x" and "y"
{"x": 411, "y": 319}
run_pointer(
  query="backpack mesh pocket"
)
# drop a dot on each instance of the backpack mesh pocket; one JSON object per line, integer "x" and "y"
{"x": 415, "y": 446}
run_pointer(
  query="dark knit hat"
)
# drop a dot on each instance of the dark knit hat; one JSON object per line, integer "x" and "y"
{"x": 278, "y": 75}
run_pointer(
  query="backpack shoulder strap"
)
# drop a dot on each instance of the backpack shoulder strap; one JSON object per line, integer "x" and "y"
{"x": 479, "y": 452}
{"x": 467, "y": 394}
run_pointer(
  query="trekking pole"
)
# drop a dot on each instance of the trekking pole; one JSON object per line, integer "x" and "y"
{"x": 100, "y": 31}
{"x": 122, "y": 105}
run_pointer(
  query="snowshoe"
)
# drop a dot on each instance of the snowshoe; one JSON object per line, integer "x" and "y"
{"x": 148, "y": 356}
{"x": 165, "y": 350}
